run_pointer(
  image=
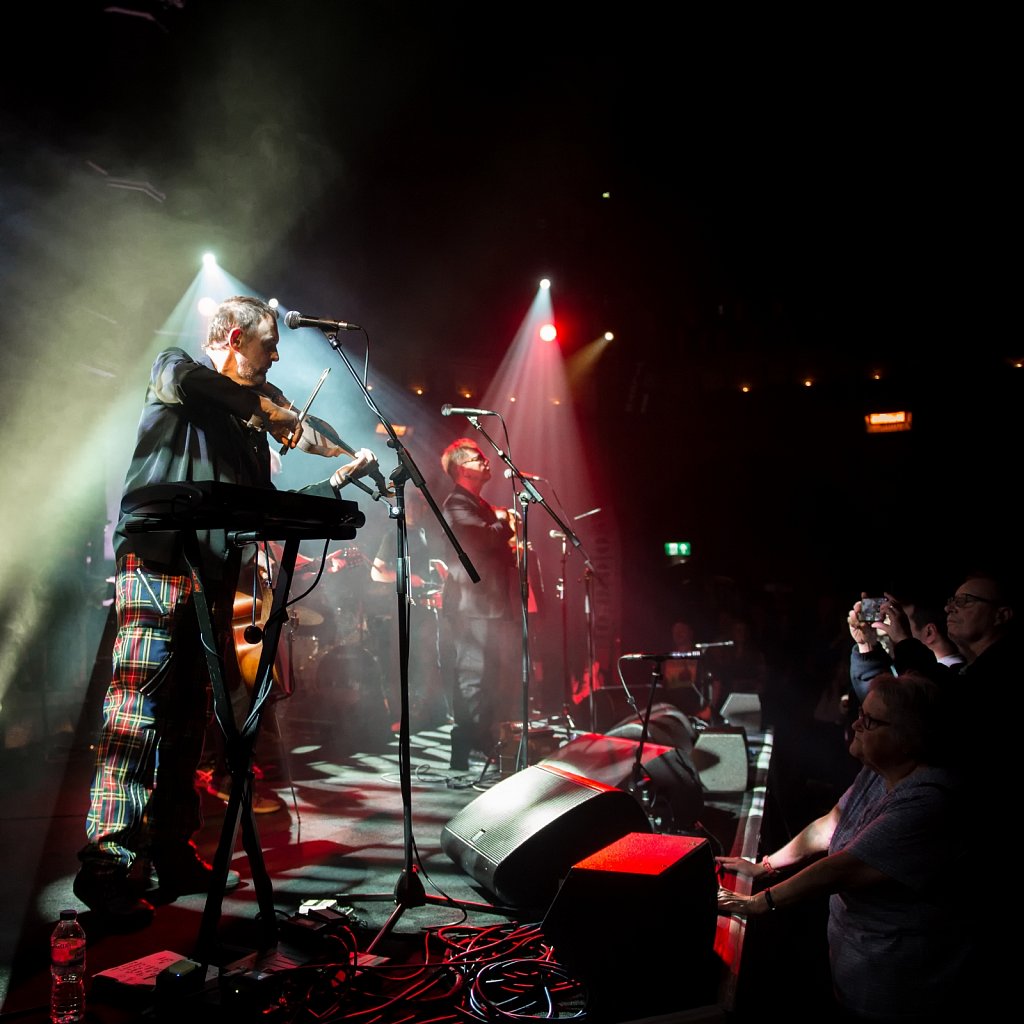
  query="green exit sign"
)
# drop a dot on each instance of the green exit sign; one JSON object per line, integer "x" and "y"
{"x": 677, "y": 548}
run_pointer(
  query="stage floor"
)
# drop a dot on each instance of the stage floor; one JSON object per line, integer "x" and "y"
{"x": 341, "y": 831}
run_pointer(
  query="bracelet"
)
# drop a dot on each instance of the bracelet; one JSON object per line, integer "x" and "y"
{"x": 769, "y": 899}
{"x": 767, "y": 865}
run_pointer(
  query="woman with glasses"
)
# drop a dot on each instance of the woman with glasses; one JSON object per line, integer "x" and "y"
{"x": 892, "y": 857}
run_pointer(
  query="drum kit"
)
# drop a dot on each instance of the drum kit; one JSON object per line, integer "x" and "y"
{"x": 337, "y": 682}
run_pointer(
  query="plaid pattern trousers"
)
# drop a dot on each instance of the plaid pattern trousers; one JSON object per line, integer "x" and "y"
{"x": 143, "y": 796}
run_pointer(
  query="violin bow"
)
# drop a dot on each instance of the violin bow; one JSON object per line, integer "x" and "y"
{"x": 305, "y": 409}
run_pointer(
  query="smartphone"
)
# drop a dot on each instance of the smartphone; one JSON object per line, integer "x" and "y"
{"x": 871, "y": 610}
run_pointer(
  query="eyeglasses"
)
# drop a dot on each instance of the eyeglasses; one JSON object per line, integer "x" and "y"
{"x": 869, "y": 722}
{"x": 963, "y": 600}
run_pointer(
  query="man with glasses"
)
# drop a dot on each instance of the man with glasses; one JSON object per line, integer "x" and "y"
{"x": 926, "y": 620}
{"x": 981, "y": 620}
{"x": 478, "y": 620}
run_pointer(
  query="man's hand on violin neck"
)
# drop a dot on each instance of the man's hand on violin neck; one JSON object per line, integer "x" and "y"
{"x": 364, "y": 462}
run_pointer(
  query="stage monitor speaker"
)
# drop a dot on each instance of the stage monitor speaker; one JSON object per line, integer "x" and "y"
{"x": 721, "y": 759}
{"x": 676, "y": 801}
{"x": 668, "y": 725}
{"x": 636, "y": 922}
{"x": 743, "y": 710}
{"x": 520, "y": 838}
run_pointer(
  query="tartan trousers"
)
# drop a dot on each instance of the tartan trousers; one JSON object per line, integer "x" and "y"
{"x": 155, "y": 714}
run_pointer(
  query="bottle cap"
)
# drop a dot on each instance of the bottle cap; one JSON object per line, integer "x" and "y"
{"x": 68, "y": 915}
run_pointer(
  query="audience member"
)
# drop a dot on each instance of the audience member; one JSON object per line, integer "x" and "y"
{"x": 926, "y": 620}
{"x": 903, "y": 931}
{"x": 981, "y": 621}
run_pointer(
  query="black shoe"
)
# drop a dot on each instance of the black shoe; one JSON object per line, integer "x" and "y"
{"x": 459, "y": 754}
{"x": 182, "y": 871}
{"x": 108, "y": 893}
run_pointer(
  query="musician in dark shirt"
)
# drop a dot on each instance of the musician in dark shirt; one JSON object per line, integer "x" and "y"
{"x": 479, "y": 621}
{"x": 202, "y": 420}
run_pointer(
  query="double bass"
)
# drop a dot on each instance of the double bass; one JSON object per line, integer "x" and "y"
{"x": 253, "y": 599}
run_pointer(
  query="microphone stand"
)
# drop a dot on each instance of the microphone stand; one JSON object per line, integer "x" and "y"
{"x": 656, "y": 676}
{"x": 409, "y": 891}
{"x": 529, "y": 494}
{"x": 560, "y": 590}
{"x": 588, "y": 613}
{"x": 588, "y": 616}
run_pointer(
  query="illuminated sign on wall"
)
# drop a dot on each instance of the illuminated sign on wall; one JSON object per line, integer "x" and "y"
{"x": 887, "y": 422}
{"x": 677, "y": 548}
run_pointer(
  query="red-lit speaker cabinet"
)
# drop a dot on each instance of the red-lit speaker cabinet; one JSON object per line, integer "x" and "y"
{"x": 520, "y": 838}
{"x": 636, "y": 923}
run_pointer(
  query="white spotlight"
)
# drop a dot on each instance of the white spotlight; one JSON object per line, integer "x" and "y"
{"x": 545, "y": 283}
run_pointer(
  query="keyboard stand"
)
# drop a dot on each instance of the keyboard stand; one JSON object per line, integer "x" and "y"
{"x": 239, "y": 742}
{"x": 265, "y": 514}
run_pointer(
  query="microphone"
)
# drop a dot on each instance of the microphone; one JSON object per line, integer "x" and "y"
{"x": 670, "y": 656}
{"x": 451, "y": 410}
{"x": 526, "y": 476}
{"x": 558, "y": 535}
{"x": 294, "y": 319}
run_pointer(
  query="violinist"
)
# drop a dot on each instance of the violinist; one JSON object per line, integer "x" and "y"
{"x": 202, "y": 420}
{"x": 480, "y": 622}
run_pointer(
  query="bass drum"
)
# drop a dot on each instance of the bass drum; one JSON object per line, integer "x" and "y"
{"x": 351, "y": 700}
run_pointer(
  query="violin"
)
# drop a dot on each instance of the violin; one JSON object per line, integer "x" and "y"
{"x": 318, "y": 437}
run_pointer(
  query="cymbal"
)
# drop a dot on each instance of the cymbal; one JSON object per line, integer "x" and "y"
{"x": 306, "y": 616}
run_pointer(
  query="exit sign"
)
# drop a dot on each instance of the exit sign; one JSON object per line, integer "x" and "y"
{"x": 888, "y": 422}
{"x": 677, "y": 548}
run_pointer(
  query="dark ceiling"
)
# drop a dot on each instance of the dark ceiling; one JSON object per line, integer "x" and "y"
{"x": 786, "y": 199}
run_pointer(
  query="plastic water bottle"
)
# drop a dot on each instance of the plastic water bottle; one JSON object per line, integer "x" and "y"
{"x": 67, "y": 970}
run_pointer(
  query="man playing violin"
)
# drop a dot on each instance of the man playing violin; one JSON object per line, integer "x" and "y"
{"x": 479, "y": 621}
{"x": 203, "y": 420}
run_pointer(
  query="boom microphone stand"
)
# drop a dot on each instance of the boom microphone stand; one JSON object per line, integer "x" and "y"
{"x": 588, "y": 613}
{"x": 409, "y": 891}
{"x": 658, "y": 661}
